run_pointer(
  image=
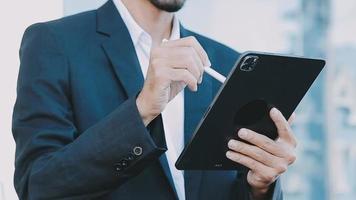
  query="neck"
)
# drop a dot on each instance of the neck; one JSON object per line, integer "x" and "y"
{"x": 155, "y": 22}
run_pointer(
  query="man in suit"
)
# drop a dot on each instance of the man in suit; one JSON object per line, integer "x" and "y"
{"x": 103, "y": 110}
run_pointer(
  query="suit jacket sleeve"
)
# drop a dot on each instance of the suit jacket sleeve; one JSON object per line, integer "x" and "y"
{"x": 53, "y": 160}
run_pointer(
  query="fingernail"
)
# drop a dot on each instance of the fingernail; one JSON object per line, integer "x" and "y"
{"x": 230, "y": 144}
{"x": 228, "y": 154}
{"x": 208, "y": 63}
{"x": 243, "y": 133}
{"x": 200, "y": 79}
{"x": 274, "y": 112}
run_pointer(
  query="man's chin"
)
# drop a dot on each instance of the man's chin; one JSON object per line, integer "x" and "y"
{"x": 168, "y": 5}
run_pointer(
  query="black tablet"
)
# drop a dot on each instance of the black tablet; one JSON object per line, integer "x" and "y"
{"x": 258, "y": 82}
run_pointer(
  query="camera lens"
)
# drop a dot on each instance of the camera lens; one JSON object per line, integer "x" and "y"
{"x": 249, "y": 63}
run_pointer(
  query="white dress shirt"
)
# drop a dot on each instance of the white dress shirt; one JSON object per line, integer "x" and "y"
{"x": 173, "y": 114}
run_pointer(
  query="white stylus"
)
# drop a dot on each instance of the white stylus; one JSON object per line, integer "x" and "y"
{"x": 215, "y": 74}
{"x": 210, "y": 71}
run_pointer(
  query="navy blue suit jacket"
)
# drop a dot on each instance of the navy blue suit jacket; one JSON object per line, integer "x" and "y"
{"x": 76, "y": 123}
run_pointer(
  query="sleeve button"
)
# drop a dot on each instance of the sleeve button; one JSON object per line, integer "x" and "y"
{"x": 118, "y": 167}
{"x": 137, "y": 151}
{"x": 124, "y": 164}
{"x": 130, "y": 157}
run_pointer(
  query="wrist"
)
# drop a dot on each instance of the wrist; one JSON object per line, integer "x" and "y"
{"x": 146, "y": 116}
{"x": 259, "y": 193}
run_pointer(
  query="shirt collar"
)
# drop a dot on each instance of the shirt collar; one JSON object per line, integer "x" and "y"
{"x": 135, "y": 30}
{"x": 175, "y": 33}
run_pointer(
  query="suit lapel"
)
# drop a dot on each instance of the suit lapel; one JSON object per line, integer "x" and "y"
{"x": 121, "y": 52}
{"x": 119, "y": 49}
{"x": 195, "y": 105}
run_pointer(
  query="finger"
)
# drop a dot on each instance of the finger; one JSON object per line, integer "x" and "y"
{"x": 181, "y": 57}
{"x": 261, "y": 141}
{"x": 201, "y": 77}
{"x": 255, "y": 153}
{"x": 292, "y": 118}
{"x": 185, "y": 76}
{"x": 199, "y": 66}
{"x": 199, "y": 49}
{"x": 193, "y": 62}
{"x": 267, "y": 173}
{"x": 190, "y": 42}
{"x": 283, "y": 128}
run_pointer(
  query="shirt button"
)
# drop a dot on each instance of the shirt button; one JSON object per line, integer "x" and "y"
{"x": 137, "y": 151}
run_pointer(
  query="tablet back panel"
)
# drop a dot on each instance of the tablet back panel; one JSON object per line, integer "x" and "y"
{"x": 257, "y": 83}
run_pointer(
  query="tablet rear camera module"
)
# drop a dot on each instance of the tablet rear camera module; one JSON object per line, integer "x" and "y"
{"x": 249, "y": 63}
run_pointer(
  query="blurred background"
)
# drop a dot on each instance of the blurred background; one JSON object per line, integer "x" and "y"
{"x": 326, "y": 119}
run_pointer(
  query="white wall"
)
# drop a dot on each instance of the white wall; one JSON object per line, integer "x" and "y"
{"x": 72, "y": 7}
{"x": 15, "y": 16}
